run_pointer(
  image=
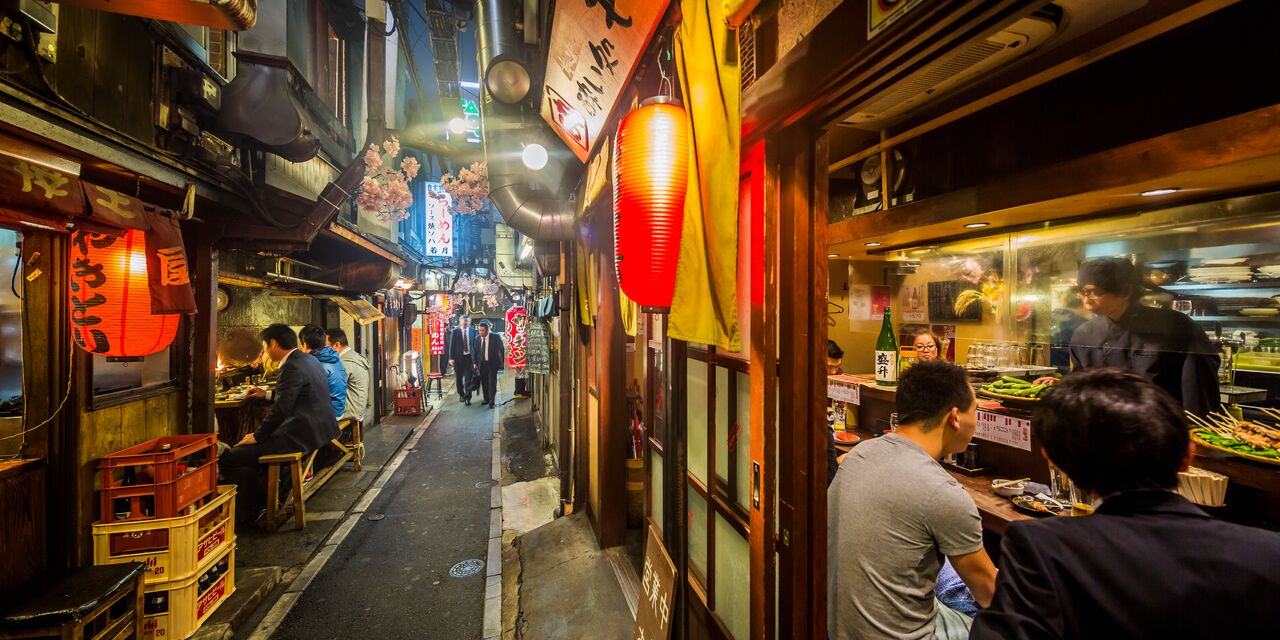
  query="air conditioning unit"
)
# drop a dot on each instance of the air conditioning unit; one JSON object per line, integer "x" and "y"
{"x": 955, "y": 69}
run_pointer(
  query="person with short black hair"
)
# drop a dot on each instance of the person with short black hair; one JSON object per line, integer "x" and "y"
{"x": 894, "y": 513}
{"x": 927, "y": 346}
{"x": 460, "y": 357}
{"x": 300, "y": 420}
{"x": 834, "y": 356}
{"x": 313, "y": 342}
{"x": 357, "y": 368}
{"x": 490, "y": 358}
{"x": 1163, "y": 345}
{"x": 1147, "y": 563}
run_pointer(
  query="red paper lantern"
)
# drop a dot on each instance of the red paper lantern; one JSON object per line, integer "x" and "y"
{"x": 111, "y": 299}
{"x": 650, "y": 175}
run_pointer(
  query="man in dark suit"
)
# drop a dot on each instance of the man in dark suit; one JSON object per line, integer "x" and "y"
{"x": 301, "y": 419}
{"x": 490, "y": 358}
{"x": 460, "y": 357}
{"x": 1147, "y": 563}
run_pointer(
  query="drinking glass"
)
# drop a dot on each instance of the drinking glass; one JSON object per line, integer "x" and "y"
{"x": 1081, "y": 504}
{"x": 1060, "y": 487}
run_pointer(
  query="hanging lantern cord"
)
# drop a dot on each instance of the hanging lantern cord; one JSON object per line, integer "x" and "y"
{"x": 664, "y": 83}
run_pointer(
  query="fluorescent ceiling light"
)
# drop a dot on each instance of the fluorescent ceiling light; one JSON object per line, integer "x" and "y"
{"x": 1160, "y": 192}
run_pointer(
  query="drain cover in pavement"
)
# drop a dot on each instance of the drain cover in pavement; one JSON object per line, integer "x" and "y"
{"x": 485, "y": 484}
{"x": 375, "y": 517}
{"x": 467, "y": 568}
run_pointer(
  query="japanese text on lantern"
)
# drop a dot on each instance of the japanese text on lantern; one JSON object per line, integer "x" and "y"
{"x": 87, "y": 279}
{"x": 517, "y": 321}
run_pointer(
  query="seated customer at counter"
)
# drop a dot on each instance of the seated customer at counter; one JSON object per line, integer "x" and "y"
{"x": 1164, "y": 346}
{"x": 301, "y": 420}
{"x": 1148, "y": 563}
{"x": 894, "y": 513}
{"x": 312, "y": 341}
{"x": 834, "y": 356}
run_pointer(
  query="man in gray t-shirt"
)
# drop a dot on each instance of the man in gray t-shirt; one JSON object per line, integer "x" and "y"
{"x": 894, "y": 513}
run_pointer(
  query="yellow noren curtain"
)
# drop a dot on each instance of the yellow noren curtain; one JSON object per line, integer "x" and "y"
{"x": 587, "y": 285}
{"x": 630, "y": 313}
{"x": 705, "y": 307}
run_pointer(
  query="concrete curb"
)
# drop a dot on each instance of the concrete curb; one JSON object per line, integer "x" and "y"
{"x": 280, "y": 610}
{"x": 493, "y": 573}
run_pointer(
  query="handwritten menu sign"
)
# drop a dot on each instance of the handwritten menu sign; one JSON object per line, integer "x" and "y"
{"x": 593, "y": 50}
{"x": 1006, "y": 430}
{"x": 538, "y": 347}
{"x": 657, "y": 591}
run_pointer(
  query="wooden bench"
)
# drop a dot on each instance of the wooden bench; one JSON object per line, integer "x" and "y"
{"x": 98, "y": 603}
{"x": 299, "y": 465}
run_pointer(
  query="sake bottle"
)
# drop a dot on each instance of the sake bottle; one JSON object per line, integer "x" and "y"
{"x": 886, "y": 361}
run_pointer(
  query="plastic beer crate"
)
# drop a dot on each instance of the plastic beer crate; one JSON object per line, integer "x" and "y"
{"x": 172, "y": 548}
{"x": 175, "y": 609}
{"x": 124, "y": 490}
{"x": 408, "y": 401}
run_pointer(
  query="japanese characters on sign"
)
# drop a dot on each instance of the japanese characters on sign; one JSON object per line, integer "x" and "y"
{"x": 517, "y": 321}
{"x": 538, "y": 354}
{"x": 439, "y": 221}
{"x": 657, "y": 591}
{"x": 882, "y": 13}
{"x": 436, "y": 325}
{"x": 593, "y": 50}
{"x": 1006, "y": 430}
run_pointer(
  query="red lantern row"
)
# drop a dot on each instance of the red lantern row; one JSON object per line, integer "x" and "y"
{"x": 650, "y": 177}
{"x": 111, "y": 298}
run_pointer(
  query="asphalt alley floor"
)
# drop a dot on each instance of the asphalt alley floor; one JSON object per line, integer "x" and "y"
{"x": 390, "y": 577}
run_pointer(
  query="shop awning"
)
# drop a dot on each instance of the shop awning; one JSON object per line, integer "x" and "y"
{"x": 236, "y": 15}
{"x": 360, "y": 310}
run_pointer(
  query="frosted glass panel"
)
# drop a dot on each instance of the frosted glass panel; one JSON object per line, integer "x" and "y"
{"x": 697, "y": 534}
{"x": 655, "y": 487}
{"x": 733, "y": 578}
{"x": 696, "y": 415}
{"x": 722, "y": 425}
{"x": 742, "y": 450}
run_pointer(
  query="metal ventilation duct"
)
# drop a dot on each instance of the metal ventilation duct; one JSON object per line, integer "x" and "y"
{"x": 539, "y": 215}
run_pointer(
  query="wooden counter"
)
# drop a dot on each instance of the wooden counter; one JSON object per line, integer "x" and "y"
{"x": 997, "y": 512}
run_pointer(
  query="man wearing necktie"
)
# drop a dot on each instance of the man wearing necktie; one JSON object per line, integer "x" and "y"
{"x": 460, "y": 358}
{"x": 490, "y": 356}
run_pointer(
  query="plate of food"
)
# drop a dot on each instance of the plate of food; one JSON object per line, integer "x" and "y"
{"x": 1037, "y": 505}
{"x": 846, "y": 437}
{"x": 1252, "y": 439}
{"x": 1014, "y": 390}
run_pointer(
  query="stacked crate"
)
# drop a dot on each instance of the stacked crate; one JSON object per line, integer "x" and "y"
{"x": 161, "y": 506}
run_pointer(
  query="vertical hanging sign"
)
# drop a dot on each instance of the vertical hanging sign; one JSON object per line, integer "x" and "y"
{"x": 439, "y": 221}
{"x": 593, "y": 50}
{"x": 517, "y": 321}
{"x": 436, "y": 327}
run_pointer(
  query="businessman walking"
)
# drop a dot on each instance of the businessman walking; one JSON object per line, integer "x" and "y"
{"x": 490, "y": 357}
{"x": 460, "y": 358}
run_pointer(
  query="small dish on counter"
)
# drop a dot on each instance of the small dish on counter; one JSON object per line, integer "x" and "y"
{"x": 1037, "y": 506}
{"x": 1008, "y": 491}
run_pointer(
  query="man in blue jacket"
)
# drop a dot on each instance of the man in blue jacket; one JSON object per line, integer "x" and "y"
{"x": 313, "y": 342}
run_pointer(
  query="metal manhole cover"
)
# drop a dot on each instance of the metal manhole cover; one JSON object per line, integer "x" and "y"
{"x": 467, "y": 568}
{"x": 485, "y": 484}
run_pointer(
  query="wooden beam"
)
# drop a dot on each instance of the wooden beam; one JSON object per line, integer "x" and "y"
{"x": 364, "y": 243}
{"x": 1226, "y": 155}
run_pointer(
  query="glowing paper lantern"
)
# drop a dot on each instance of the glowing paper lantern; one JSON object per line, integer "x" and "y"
{"x": 650, "y": 175}
{"x": 111, "y": 298}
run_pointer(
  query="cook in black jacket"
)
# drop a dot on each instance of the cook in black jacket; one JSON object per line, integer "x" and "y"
{"x": 1163, "y": 345}
{"x": 301, "y": 419}
{"x": 1148, "y": 563}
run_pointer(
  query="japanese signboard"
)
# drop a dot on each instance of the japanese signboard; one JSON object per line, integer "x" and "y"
{"x": 1006, "y": 430}
{"x": 538, "y": 350}
{"x": 439, "y": 222}
{"x": 657, "y": 591}
{"x": 437, "y": 326}
{"x": 517, "y": 320}
{"x": 882, "y": 13}
{"x": 593, "y": 50}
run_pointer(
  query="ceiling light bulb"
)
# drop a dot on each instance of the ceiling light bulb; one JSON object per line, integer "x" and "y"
{"x": 977, "y": 225}
{"x": 457, "y": 126}
{"x": 1160, "y": 192}
{"x": 871, "y": 244}
{"x": 534, "y": 156}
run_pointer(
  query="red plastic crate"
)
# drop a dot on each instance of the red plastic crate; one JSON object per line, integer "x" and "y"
{"x": 172, "y": 486}
{"x": 408, "y": 401}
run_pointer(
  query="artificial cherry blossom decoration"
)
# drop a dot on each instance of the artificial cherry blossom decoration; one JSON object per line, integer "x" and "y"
{"x": 384, "y": 188}
{"x": 469, "y": 189}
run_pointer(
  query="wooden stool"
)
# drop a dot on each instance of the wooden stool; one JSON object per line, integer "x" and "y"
{"x": 356, "y": 448}
{"x": 99, "y": 603}
{"x": 296, "y": 474}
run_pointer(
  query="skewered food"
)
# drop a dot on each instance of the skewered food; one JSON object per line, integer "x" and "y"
{"x": 1250, "y": 438}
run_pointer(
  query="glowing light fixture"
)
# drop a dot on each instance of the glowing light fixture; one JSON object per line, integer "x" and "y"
{"x": 457, "y": 126}
{"x": 871, "y": 244}
{"x": 111, "y": 297}
{"x": 1160, "y": 192}
{"x": 534, "y": 156}
{"x": 650, "y": 177}
{"x": 977, "y": 225}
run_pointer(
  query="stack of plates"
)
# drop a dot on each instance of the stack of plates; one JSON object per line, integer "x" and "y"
{"x": 1213, "y": 275}
{"x": 1269, "y": 271}
{"x": 1203, "y": 487}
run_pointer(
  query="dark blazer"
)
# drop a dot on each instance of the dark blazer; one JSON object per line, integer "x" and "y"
{"x": 301, "y": 417}
{"x": 495, "y": 360}
{"x": 1147, "y": 564}
{"x": 456, "y": 340}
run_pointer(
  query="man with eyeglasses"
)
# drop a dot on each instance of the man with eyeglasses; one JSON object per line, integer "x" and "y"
{"x": 1162, "y": 345}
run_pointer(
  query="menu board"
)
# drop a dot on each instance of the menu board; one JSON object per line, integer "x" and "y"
{"x": 657, "y": 587}
{"x": 1002, "y": 429}
{"x": 538, "y": 347}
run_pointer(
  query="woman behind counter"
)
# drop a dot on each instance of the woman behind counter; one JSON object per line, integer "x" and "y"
{"x": 928, "y": 346}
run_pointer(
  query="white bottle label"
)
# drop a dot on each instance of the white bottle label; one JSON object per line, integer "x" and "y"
{"x": 886, "y": 366}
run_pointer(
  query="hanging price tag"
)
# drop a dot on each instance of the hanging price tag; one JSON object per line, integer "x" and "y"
{"x": 1002, "y": 429}
{"x": 842, "y": 391}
